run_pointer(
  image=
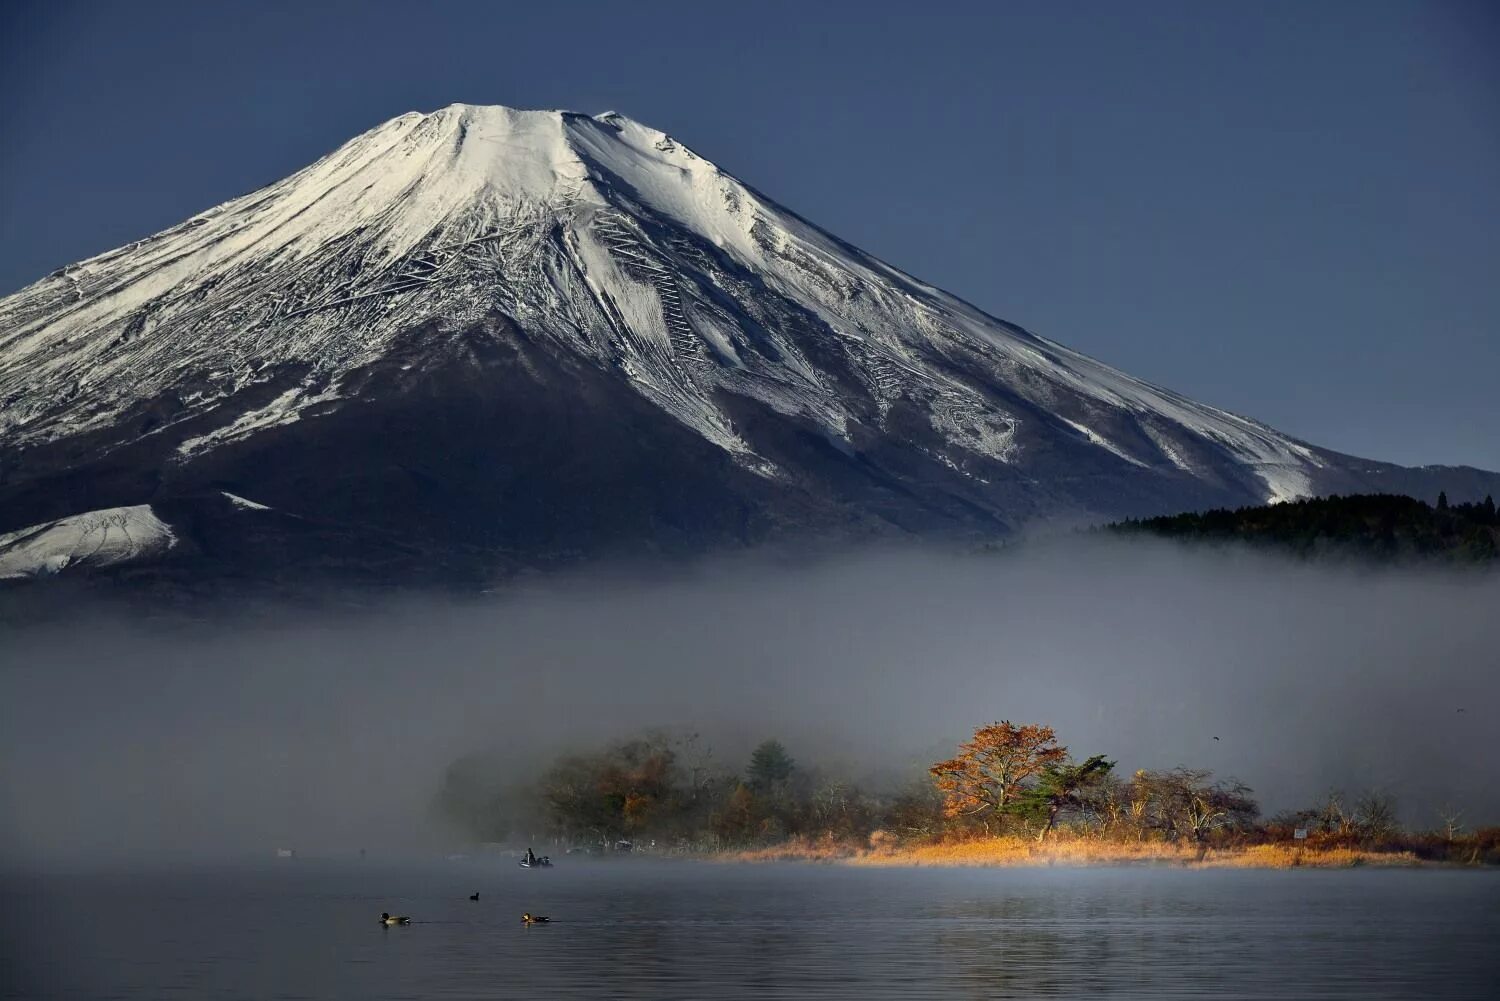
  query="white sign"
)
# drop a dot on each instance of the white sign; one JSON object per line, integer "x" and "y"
{"x": 1300, "y": 834}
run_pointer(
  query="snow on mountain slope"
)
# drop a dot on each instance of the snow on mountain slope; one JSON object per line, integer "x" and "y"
{"x": 95, "y": 539}
{"x": 596, "y": 231}
{"x": 470, "y": 271}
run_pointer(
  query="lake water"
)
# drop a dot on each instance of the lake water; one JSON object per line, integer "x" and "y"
{"x": 638, "y": 929}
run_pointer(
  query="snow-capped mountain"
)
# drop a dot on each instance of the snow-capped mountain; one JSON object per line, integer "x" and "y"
{"x": 487, "y": 336}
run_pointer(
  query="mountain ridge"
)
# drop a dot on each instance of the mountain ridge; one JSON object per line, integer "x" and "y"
{"x": 553, "y": 305}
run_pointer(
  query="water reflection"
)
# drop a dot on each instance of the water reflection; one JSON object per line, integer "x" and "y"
{"x": 643, "y": 930}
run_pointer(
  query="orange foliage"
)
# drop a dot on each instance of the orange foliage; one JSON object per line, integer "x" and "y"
{"x": 992, "y": 766}
{"x": 637, "y": 810}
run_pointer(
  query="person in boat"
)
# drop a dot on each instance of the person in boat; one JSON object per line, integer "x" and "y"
{"x": 530, "y": 857}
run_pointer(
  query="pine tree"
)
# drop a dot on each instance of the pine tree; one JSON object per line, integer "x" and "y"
{"x": 1489, "y": 508}
{"x": 770, "y": 767}
{"x": 1061, "y": 786}
{"x": 1442, "y": 500}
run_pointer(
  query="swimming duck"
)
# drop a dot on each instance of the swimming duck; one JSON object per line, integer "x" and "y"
{"x": 534, "y": 919}
{"x": 392, "y": 919}
{"x": 473, "y": 896}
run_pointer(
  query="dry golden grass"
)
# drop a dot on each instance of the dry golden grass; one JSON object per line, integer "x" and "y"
{"x": 797, "y": 851}
{"x": 1003, "y": 851}
{"x": 1281, "y": 856}
{"x": 1013, "y": 851}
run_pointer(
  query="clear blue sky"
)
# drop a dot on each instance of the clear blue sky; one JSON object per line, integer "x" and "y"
{"x": 1288, "y": 209}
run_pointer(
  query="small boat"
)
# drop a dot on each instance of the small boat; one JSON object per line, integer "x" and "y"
{"x": 532, "y": 862}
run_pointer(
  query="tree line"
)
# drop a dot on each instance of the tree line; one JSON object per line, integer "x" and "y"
{"x": 1378, "y": 527}
{"x": 1010, "y": 779}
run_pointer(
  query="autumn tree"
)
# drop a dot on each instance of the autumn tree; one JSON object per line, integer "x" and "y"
{"x": 624, "y": 790}
{"x": 739, "y": 818}
{"x": 992, "y": 768}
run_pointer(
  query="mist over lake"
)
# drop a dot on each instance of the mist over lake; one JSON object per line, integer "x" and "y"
{"x": 333, "y": 730}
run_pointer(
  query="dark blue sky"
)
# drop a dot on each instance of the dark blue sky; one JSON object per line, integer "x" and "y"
{"x": 1291, "y": 210}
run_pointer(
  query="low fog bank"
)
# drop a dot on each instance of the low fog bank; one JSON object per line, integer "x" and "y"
{"x": 121, "y": 739}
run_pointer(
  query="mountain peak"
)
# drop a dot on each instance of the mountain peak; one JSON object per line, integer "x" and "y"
{"x": 462, "y": 109}
{"x": 511, "y": 287}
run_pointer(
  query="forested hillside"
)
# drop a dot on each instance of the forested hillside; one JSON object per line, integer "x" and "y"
{"x": 1383, "y": 527}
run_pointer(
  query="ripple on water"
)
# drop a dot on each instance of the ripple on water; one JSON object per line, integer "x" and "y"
{"x": 639, "y": 929}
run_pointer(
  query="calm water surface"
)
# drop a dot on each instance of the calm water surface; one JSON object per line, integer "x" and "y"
{"x": 639, "y": 929}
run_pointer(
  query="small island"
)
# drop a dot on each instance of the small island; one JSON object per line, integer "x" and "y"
{"x": 1010, "y": 795}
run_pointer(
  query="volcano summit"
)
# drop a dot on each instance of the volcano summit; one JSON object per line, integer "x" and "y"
{"x": 481, "y": 339}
